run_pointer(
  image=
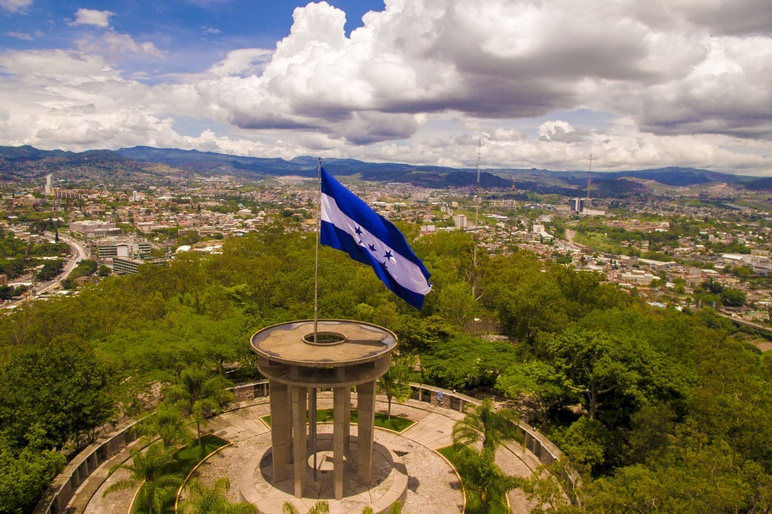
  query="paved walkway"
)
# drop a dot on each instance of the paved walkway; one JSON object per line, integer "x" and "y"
{"x": 432, "y": 487}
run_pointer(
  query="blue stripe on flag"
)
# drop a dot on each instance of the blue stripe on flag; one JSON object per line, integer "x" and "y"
{"x": 350, "y": 225}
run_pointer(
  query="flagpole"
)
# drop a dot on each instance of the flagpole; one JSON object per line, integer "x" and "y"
{"x": 316, "y": 259}
{"x": 312, "y": 414}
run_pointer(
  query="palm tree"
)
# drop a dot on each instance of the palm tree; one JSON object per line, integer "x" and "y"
{"x": 167, "y": 424}
{"x": 320, "y": 507}
{"x": 482, "y": 476}
{"x": 149, "y": 470}
{"x": 289, "y": 508}
{"x": 212, "y": 500}
{"x": 487, "y": 425}
{"x": 199, "y": 394}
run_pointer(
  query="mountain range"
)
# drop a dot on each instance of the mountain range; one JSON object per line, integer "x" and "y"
{"x": 141, "y": 163}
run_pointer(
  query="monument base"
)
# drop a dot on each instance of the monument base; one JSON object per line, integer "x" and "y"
{"x": 389, "y": 481}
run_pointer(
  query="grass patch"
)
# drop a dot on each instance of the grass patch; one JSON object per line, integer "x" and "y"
{"x": 185, "y": 459}
{"x": 454, "y": 454}
{"x": 396, "y": 423}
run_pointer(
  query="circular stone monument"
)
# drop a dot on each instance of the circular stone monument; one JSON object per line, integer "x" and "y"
{"x": 300, "y": 357}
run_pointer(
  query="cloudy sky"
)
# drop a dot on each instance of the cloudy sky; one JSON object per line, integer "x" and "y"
{"x": 542, "y": 83}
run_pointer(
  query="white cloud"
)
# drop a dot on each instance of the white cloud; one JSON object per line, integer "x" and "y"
{"x": 495, "y": 60}
{"x": 243, "y": 63}
{"x": 546, "y": 83}
{"x": 559, "y": 131}
{"x": 115, "y": 45}
{"x": 15, "y": 6}
{"x": 20, "y": 35}
{"x": 92, "y": 17}
{"x": 46, "y": 68}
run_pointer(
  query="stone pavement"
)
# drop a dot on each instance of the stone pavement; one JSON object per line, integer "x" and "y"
{"x": 432, "y": 484}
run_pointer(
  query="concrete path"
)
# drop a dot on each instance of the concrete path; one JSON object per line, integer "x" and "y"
{"x": 432, "y": 431}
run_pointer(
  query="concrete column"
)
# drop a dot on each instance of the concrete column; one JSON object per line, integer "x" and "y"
{"x": 366, "y": 424}
{"x": 299, "y": 438}
{"x": 281, "y": 430}
{"x": 93, "y": 461}
{"x": 340, "y": 402}
{"x": 347, "y": 419}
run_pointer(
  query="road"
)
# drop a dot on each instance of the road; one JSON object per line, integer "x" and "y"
{"x": 78, "y": 254}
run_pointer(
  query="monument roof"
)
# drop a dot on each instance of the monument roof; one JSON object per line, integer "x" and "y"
{"x": 352, "y": 342}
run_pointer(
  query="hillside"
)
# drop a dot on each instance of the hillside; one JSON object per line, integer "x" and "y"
{"x": 141, "y": 163}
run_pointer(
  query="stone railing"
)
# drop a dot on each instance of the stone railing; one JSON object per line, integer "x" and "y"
{"x": 62, "y": 489}
{"x": 534, "y": 441}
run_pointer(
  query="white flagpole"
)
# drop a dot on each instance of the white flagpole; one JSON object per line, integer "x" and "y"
{"x": 312, "y": 414}
{"x": 316, "y": 261}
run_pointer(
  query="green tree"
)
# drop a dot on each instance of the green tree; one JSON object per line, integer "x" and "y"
{"x": 621, "y": 371}
{"x": 487, "y": 425}
{"x": 696, "y": 476}
{"x": 464, "y": 362}
{"x": 50, "y": 270}
{"x": 150, "y": 470}
{"x": 24, "y": 475}
{"x": 732, "y": 297}
{"x": 482, "y": 476}
{"x": 395, "y": 383}
{"x": 535, "y": 384}
{"x": 199, "y": 394}
{"x": 166, "y": 423}
{"x": 212, "y": 500}
{"x": 57, "y": 392}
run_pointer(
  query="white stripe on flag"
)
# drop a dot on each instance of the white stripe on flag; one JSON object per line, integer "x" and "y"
{"x": 406, "y": 273}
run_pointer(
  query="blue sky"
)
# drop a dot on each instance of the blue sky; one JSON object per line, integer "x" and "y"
{"x": 196, "y": 33}
{"x": 542, "y": 83}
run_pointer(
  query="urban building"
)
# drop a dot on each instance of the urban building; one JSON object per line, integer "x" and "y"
{"x": 110, "y": 249}
{"x": 577, "y": 204}
{"x": 126, "y": 266}
{"x": 92, "y": 229}
{"x": 460, "y": 221}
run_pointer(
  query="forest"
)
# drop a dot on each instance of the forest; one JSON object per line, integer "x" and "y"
{"x": 659, "y": 410}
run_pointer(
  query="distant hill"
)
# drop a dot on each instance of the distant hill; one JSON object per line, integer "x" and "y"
{"x": 761, "y": 184}
{"x": 142, "y": 163}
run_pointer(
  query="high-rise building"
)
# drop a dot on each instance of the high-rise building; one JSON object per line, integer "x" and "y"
{"x": 577, "y": 204}
{"x": 49, "y": 188}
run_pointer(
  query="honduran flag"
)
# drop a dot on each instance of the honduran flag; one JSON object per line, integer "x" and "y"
{"x": 350, "y": 225}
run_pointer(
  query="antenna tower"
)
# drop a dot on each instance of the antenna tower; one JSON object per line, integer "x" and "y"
{"x": 477, "y": 208}
{"x": 589, "y": 179}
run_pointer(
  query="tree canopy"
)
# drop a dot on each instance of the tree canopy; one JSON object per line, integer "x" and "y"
{"x": 630, "y": 393}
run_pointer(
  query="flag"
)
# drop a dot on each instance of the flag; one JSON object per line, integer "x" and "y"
{"x": 350, "y": 225}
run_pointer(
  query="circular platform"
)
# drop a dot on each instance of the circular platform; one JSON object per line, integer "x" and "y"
{"x": 293, "y": 343}
{"x": 389, "y": 481}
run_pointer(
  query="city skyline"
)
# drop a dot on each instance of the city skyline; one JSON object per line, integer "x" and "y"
{"x": 542, "y": 84}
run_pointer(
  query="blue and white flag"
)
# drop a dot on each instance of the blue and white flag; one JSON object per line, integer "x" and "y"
{"x": 349, "y": 224}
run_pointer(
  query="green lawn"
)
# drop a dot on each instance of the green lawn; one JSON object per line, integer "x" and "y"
{"x": 325, "y": 416}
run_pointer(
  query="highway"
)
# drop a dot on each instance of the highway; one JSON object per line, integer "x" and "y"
{"x": 78, "y": 253}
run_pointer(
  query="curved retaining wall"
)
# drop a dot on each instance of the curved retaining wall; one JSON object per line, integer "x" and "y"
{"x": 64, "y": 486}
{"x": 62, "y": 489}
